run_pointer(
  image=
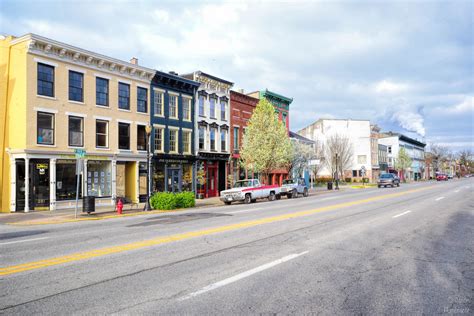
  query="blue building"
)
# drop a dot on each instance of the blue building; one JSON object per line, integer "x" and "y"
{"x": 172, "y": 139}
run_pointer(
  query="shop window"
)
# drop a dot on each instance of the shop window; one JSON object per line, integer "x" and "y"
{"x": 45, "y": 83}
{"x": 66, "y": 180}
{"x": 124, "y": 96}
{"x": 212, "y": 108}
{"x": 101, "y": 91}
{"x": 354, "y": 173}
{"x": 213, "y": 139}
{"x": 223, "y": 140}
{"x": 142, "y": 100}
{"x": 159, "y": 178}
{"x": 76, "y": 86}
{"x": 158, "y": 103}
{"x": 201, "y": 105}
{"x": 236, "y": 138}
{"x": 173, "y": 106}
{"x": 101, "y": 134}
{"x": 141, "y": 138}
{"x": 202, "y": 133}
{"x": 223, "y": 110}
{"x": 187, "y": 180}
{"x": 186, "y": 109}
{"x": 124, "y": 136}
{"x": 186, "y": 142}
{"x": 158, "y": 139}
{"x": 173, "y": 141}
{"x": 76, "y": 131}
{"x": 45, "y": 128}
{"x": 99, "y": 179}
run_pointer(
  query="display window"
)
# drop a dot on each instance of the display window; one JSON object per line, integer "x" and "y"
{"x": 99, "y": 178}
{"x": 66, "y": 180}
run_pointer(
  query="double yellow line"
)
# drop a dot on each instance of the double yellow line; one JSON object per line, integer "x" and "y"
{"x": 167, "y": 239}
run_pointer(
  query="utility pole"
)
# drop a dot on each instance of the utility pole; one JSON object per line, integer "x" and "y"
{"x": 337, "y": 176}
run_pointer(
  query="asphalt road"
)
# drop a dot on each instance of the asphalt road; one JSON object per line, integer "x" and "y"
{"x": 406, "y": 250}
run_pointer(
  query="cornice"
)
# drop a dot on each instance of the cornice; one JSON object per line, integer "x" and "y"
{"x": 46, "y": 47}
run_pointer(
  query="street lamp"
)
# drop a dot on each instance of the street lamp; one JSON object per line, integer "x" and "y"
{"x": 148, "y": 176}
{"x": 337, "y": 176}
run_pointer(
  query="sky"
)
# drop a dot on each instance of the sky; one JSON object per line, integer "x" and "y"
{"x": 407, "y": 66}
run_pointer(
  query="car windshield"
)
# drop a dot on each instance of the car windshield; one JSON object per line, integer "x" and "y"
{"x": 289, "y": 181}
{"x": 386, "y": 176}
{"x": 243, "y": 184}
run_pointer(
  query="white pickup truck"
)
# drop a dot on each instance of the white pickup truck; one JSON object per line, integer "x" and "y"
{"x": 250, "y": 190}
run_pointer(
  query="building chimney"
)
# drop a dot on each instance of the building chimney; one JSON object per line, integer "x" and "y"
{"x": 241, "y": 91}
{"x": 173, "y": 73}
{"x": 134, "y": 61}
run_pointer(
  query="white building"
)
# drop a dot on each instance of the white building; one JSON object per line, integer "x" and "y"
{"x": 358, "y": 133}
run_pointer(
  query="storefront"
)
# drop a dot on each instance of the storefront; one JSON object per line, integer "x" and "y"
{"x": 173, "y": 174}
{"x": 212, "y": 174}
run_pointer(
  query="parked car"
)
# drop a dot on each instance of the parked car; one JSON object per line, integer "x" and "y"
{"x": 292, "y": 187}
{"x": 249, "y": 191}
{"x": 388, "y": 179}
{"x": 441, "y": 177}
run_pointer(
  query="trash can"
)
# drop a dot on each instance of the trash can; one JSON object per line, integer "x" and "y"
{"x": 88, "y": 204}
{"x": 329, "y": 185}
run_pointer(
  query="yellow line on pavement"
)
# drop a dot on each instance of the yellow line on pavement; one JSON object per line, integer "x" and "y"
{"x": 167, "y": 239}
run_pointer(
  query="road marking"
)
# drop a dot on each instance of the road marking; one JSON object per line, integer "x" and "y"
{"x": 245, "y": 211}
{"x": 192, "y": 234}
{"x": 24, "y": 240}
{"x": 440, "y": 198}
{"x": 404, "y": 213}
{"x": 242, "y": 275}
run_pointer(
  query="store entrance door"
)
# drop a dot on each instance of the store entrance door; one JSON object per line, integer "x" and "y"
{"x": 39, "y": 184}
{"x": 173, "y": 180}
{"x": 212, "y": 181}
{"x": 20, "y": 185}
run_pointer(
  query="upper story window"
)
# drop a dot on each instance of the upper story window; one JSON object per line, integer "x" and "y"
{"x": 174, "y": 106}
{"x": 223, "y": 110}
{"x": 141, "y": 138}
{"x": 101, "y": 91}
{"x": 124, "y": 96}
{"x": 158, "y": 103}
{"x": 186, "y": 142}
{"x": 76, "y": 131}
{"x": 45, "y": 80}
{"x": 186, "y": 109}
{"x": 213, "y": 139}
{"x": 389, "y": 149}
{"x": 158, "y": 139}
{"x": 45, "y": 128}
{"x": 201, "y": 105}
{"x": 124, "y": 136}
{"x": 142, "y": 100}
{"x": 101, "y": 134}
{"x": 223, "y": 140}
{"x": 236, "y": 138}
{"x": 202, "y": 133}
{"x": 76, "y": 86}
{"x": 212, "y": 108}
{"x": 173, "y": 141}
{"x": 283, "y": 118}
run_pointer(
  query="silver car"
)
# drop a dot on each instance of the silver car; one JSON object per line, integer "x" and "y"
{"x": 292, "y": 187}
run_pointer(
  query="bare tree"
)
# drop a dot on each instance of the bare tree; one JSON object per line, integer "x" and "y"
{"x": 303, "y": 155}
{"x": 439, "y": 155}
{"x": 338, "y": 148}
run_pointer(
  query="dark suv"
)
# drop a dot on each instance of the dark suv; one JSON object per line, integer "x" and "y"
{"x": 388, "y": 179}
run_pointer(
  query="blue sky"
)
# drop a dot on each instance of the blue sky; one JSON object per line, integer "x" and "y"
{"x": 407, "y": 66}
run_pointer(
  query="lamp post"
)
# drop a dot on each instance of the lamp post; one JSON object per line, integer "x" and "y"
{"x": 148, "y": 176}
{"x": 337, "y": 176}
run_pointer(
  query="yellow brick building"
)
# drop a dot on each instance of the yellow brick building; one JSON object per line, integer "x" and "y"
{"x": 56, "y": 98}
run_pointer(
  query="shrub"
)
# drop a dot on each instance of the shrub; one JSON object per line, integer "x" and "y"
{"x": 348, "y": 180}
{"x": 365, "y": 180}
{"x": 163, "y": 201}
{"x": 185, "y": 199}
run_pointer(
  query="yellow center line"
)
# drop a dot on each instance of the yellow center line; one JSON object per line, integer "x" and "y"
{"x": 183, "y": 236}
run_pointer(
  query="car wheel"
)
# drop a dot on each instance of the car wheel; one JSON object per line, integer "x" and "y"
{"x": 228, "y": 203}
{"x": 294, "y": 194}
{"x": 254, "y": 200}
{"x": 289, "y": 196}
{"x": 379, "y": 186}
{"x": 248, "y": 199}
{"x": 278, "y": 196}
{"x": 398, "y": 184}
{"x": 305, "y": 192}
{"x": 271, "y": 197}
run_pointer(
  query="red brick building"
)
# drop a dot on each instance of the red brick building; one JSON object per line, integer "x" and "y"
{"x": 241, "y": 107}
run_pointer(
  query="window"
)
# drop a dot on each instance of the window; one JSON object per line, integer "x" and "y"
{"x": 213, "y": 139}
{"x": 45, "y": 80}
{"x": 124, "y": 136}
{"x": 142, "y": 100}
{"x": 202, "y": 133}
{"x": 158, "y": 139}
{"x": 141, "y": 137}
{"x": 201, "y": 105}
{"x": 101, "y": 91}
{"x": 45, "y": 128}
{"x": 158, "y": 103}
{"x": 389, "y": 149}
{"x": 223, "y": 110}
{"x": 99, "y": 178}
{"x": 186, "y": 142}
{"x": 173, "y": 106}
{"x": 66, "y": 180}
{"x": 101, "y": 134}
{"x": 186, "y": 109}
{"x": 354, "y": 173}
{"x": 236, "y": 138}
{"x": 76, "y": 131}
{"x": 124, "y": 96}
{"x": 173, "y": 140}
{"x": 283, "y": 118}
{"x": 361, "y": 159}
{"x": 212, "y": 108}
{"x": 223, "y": 140}
{"x": 76, "y": 86}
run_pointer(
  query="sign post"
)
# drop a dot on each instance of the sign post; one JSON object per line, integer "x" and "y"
{"x": 362, "y": 173}
{"x": 80, "y": 153}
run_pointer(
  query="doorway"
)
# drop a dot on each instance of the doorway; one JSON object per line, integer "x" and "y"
{"x": 39, "y": 184}
{"x": 212, "y": 189}
{"x": 20, "y": 185}
{"x": 174, "y": 182}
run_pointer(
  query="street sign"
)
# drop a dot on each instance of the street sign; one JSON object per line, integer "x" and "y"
{"x": 80, "y": 153}
{"x": 362, "y": 171}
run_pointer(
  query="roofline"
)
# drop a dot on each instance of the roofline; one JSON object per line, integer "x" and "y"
{"x": 210, "y": 76}
{"x": 177, "y": 77}
{"x": 244, "y": 95}
{"x": 277, "y": 95}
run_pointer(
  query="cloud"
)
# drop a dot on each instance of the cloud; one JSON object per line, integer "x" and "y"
{"x": 387, "y": 86}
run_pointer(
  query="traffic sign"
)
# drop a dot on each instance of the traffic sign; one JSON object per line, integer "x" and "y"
{"x": 362, "y": 170}
{"x": 80, "y": 153}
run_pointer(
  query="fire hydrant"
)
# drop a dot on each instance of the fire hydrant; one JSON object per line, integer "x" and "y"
{"x": 119, "y": 207}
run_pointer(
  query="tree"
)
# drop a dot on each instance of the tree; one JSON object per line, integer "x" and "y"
{"x": 403, "y": 161}
{"x": 301, "y": 157}
{"x": 465, "y": 161}
{"x": 439, "y": 155}
{"x": 266, "y": 145}
{"x": 340, "y": 145}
